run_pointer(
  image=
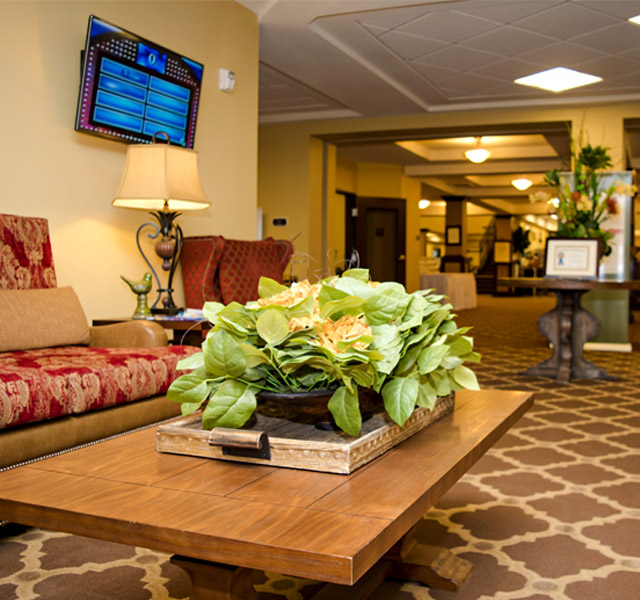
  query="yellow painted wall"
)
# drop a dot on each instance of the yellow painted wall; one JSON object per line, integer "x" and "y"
{"x": 379, "y": 181}
{"x": 285, "y": 154}
{"x": 285, "y": 193}
{"x": 50, "y": 170}
{"x": 346, "y": 175}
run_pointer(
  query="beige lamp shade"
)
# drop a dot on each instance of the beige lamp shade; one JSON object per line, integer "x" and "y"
{"x": 160, "y": 176}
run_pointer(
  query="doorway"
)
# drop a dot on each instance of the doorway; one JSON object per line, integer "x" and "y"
{"x": 380, "y": 238}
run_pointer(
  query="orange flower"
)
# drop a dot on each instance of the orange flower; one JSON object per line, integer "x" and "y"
{"x": 344, "y": 329}
{"x": 298, "y": 291}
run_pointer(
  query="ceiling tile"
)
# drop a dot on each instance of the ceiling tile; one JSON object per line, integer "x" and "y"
{"x": 514, "y": 90}
{"x": 390, "y": 18}
{"x": 506, "y": 70}
{"x": 632, "y": 54}
{"x": 374, "y": 30}
{"x": 466, "y": 84}
{"x": 562, "y": 54}
{"x": 565, "y": 21}
{"x": 614, "y": 39}
{"x": 617, "y": 8}
{"x": 409, "y": 46}
{"x": 448, "y": 27}
{"x": 458, "y": 59}
{"x": 432, "y": 73}
{"x": 504, "y": 11}
{"x": 610, "y": 66}
{"x": 508, "y": 41}
{"x": 629, "y": 80}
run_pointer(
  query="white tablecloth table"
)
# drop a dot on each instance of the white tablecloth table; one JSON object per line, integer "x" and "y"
{"x": 460, "y": 288}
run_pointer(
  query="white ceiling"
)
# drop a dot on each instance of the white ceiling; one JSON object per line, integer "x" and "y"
{"x": 325, "y": 59}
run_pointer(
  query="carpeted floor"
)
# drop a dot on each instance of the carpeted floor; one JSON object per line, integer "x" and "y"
{"x": 551, "y": 512}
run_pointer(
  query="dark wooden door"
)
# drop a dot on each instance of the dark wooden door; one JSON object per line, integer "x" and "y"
{"x": 381, "y": 237}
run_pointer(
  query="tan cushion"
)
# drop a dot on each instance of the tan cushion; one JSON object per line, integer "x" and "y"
{"x": 41, "y": 318}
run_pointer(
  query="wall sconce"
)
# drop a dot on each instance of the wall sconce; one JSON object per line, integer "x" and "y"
{"x": 478, "y": 154}
{"x": 521, "y": 183}
{"x": 162, "y": 179}
{"x": 423, "y": 204}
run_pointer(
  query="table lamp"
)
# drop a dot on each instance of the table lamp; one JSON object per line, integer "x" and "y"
{"x": 162, "y": 179}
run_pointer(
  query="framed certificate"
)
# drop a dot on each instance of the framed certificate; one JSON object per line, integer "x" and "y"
{"x": 572, "y": 258}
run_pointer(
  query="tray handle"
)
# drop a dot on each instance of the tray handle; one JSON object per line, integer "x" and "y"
{"x": 240, "y": 442}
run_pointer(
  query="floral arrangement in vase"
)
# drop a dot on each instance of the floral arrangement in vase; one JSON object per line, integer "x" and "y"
{"x": 583, "y": 205}
{"x": 343, "y": 334}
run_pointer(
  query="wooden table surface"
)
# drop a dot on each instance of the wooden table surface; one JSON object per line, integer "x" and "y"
{"x": 318, "y": 525}
{"x": 559, "y": 283}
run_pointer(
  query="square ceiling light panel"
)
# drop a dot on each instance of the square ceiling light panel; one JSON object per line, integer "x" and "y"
{"x": 558, "y": 79}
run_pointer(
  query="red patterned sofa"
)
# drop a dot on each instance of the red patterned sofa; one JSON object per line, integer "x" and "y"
{"x": 222, "y": 270}
{"x": 63, "y": 383}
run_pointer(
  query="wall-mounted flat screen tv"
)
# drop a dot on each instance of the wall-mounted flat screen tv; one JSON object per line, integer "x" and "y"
{"x": 132, "y": 89}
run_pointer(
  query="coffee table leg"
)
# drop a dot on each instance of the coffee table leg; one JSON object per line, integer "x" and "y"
{"x": 215, "y": 581}
{"x": 434, "y": 566}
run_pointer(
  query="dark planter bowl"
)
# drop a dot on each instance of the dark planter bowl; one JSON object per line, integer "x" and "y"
{"x": 312, "y": 407}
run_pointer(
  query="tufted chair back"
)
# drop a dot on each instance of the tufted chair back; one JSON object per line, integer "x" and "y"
{"x": 222, "y": 270}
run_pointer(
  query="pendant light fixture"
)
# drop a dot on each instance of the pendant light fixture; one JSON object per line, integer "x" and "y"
{"x": 521, "y": 183}
{"x": 478, "y": 154}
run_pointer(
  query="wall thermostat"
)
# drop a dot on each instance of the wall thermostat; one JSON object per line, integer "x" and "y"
{"x": 227, "y": 80}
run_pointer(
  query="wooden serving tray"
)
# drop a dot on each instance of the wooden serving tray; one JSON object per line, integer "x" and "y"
{"x": 283, "y": 443}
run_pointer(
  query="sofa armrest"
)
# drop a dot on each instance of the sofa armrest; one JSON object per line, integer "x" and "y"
{"x": 130, "y": 334}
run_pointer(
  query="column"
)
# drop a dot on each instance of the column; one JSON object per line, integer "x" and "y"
{"x": 503, "y": 249}
{"x": 455, "y": 234}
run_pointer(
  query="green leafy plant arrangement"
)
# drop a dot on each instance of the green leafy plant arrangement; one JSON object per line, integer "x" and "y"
{"x": 341, "y": 334}
{"x": 583, "y": 204}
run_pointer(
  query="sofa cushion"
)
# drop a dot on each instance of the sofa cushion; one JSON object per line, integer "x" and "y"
{"x": 52, "y": 382}
{"x": 26, "y": 261}
{"x": 41, "y": 318}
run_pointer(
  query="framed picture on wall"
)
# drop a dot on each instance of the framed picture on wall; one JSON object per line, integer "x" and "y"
{"x": 572, "y": 258}
{"x": 453, "y": 235}
{"x": 502, "y": 252}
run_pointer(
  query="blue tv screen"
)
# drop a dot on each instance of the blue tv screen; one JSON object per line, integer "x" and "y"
{"x": 133, "y": 89}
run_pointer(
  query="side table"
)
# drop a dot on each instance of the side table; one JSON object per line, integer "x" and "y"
{"x": 187, "y": 331}
{"x": 568, "y": 326}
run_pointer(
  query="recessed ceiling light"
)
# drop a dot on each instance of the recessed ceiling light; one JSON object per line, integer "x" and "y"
{"x": 558, "y": 79}
{"x": 423, "y": 203}
{"x": 522, "y": 183}
{"x": 635, "y": 19}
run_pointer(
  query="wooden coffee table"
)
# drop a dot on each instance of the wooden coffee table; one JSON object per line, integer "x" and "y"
{"x": 223, "y": 519}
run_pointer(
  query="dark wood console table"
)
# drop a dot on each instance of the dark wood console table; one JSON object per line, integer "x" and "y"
{"x": 568, "y": 326}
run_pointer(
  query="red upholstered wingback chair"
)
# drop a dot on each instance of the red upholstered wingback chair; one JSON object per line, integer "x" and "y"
{"x": 26, "y": 261}
{"x": 222, "y": 270}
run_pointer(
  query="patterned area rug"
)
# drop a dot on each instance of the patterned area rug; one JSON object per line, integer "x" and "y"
{"x": 551, "y": 512}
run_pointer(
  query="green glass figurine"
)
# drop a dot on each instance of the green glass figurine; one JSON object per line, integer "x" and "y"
{"x": 141, "y": 288}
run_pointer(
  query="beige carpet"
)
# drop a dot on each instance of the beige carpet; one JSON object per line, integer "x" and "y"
{"x": 551, "y": 512}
